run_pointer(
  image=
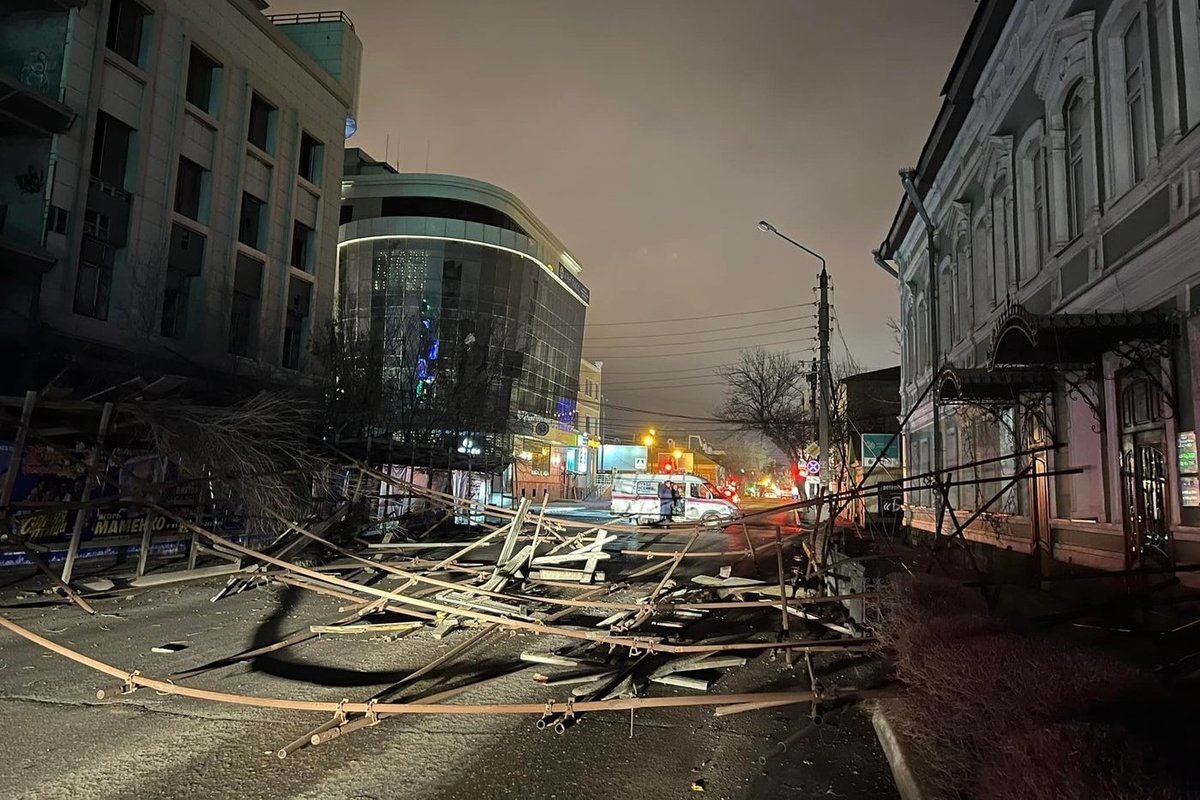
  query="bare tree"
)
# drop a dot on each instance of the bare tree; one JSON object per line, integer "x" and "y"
{"x": 253, "y": 454}
{"x": 766, "y": 395}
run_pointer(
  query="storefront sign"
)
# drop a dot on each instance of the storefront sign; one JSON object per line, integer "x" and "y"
{"x": 880, "y": 449}
{"x": 1187, "y": 452}
{"x": 1189, "y": 491}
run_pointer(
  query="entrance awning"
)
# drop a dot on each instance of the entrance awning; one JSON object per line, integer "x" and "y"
{"x": 1071, "y": 340}
{"x": 981, "y": 386}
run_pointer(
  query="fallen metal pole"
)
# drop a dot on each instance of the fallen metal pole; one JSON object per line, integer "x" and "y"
{"x": 134, "y": 678}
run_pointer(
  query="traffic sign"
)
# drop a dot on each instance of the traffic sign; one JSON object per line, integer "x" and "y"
{"x": 814, "y": 467}
{"x": 813, "y": 451}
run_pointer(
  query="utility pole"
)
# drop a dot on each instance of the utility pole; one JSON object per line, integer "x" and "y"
{"x": 823, "y": 355}
{"x": 823, "y": 372}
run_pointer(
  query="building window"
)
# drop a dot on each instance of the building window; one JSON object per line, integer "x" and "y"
{"x": 189, "y": 189}
{"x": 982, "y": 272}
{"x": 251, "y": 228}
{"x": 126, "y": 25}
{"x": 97, "y": 224}
{"x": 93, "y": 280}
{"x": 185, "y": 260}
{"x": 262, "y": 124}
{"x": 201, "y": 80}
{"x": 110, "y": 150}
{"x": 346, "y": 214}
{"x": 1003, "y": 268}
{"x": 57, "y": 221}
{"x": 244, "y": 306}
{"x": 303, "y": 246}
{"x": 312, "y": 156}
{"x": 1135, "y": 98}
{"x": 1075, "y": 115}
{"x": 295, "y": 327}
{"x": 1041, "y": 222}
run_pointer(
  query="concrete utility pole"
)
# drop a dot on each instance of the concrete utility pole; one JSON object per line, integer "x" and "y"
{"x": 823, "y": 350}
{"x": 823, "y": 374}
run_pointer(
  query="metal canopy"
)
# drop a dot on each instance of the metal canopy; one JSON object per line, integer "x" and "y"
{"x": 981, "y": 386}
{"x": 1071, "y": 340}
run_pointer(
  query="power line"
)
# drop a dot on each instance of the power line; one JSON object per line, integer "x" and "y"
{"x": 706, "y": 352}
{"x": 703, "y": 330}
{"x": 669, "y": 371}
{"x": 707, "y": 316}
{"x": 718, "y": 339}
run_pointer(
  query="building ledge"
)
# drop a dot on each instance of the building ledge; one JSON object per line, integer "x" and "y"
{"x": 24, "y": 259}
{"x": 27, "y": 112}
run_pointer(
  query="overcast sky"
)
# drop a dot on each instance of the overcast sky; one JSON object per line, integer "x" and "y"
{"x": 652, "y": 136}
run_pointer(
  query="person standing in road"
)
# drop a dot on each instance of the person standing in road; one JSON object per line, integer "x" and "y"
{"x": 666, "y": 501}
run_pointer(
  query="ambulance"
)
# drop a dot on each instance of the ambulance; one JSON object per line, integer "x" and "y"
{"x": 636, "y": 496}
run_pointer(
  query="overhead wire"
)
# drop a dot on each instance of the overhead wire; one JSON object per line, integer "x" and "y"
{"x": 701, "y": 352}
{"x": 707, "y": 316}
{"x": 707, "y": 341}
{"x": 703, "y": 330}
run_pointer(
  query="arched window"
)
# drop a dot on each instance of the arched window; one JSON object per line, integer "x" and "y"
{"x": 1032, "y": 204}
{"x": 1004, "y": 267}
{"x": 981, "y": 264}
{"x": 1075, "y": 119}
{"x": 1136, "y": 105}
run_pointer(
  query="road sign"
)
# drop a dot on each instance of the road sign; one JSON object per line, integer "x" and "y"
{"x": 814, "y": 467}
{"x": 813, "y": 451}
{"x": 639, "y": 464}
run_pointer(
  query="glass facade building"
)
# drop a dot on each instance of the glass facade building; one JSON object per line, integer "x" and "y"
{"x": 459, "y": 309}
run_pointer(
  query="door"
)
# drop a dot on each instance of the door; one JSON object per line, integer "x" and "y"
{"x": 1144, "y": 476}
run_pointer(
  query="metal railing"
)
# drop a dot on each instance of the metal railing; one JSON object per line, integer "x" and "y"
{"x": 302, "y": 17}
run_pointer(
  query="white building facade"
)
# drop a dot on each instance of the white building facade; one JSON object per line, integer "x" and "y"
{"x": 1054, "y": 329}
{"x": 187, "y": 216}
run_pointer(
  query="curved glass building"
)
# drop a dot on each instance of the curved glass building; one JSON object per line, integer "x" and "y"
{"x": 461, "y": 310}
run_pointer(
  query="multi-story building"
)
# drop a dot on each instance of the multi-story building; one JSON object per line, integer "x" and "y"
{"x": 1053, "y": 306}
{"x": 583, "y": 461}
{"x": 165, "y": 177}
{"x": 472, "y": 314}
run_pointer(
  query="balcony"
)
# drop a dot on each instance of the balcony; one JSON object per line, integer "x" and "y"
{"x": 31, "y": 64}
{"x": 21, "y": 250}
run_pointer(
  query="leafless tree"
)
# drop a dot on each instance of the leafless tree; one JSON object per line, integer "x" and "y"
{"x": 252, "y": 454}
{"x": 767, "y": 396}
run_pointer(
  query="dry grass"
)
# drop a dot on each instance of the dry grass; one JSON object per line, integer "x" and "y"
{"x": 995, "y": 715}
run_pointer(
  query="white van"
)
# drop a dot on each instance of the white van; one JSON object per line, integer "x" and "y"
{"x": 636, "y": 495}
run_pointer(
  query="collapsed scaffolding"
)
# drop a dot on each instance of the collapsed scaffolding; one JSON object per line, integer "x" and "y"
{"x": 512, "y": 569}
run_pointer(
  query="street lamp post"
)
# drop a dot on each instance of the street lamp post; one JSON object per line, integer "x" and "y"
{"x": 823, "y": 344}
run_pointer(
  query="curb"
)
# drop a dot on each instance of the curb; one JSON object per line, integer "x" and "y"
{"x": 902, "y": 763}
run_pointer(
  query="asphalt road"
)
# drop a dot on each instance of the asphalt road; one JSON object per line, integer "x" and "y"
{"x": 63, "y": 743}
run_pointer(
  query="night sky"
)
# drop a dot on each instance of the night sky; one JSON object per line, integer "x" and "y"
{"x": 652, "y": 136}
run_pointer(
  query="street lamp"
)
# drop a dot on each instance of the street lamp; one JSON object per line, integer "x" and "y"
{"x": 823, "y": 340}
